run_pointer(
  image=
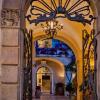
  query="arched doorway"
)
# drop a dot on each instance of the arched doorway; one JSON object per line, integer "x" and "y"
{"x": 44, "y": 79}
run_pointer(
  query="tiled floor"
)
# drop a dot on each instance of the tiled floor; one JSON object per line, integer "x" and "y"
{"x": 50, "y": 97}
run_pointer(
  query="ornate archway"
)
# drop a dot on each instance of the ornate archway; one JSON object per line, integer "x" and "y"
{"x": 74, "y": 15}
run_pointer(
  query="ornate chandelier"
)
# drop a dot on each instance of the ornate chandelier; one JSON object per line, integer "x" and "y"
{"x": 51, "y": 28}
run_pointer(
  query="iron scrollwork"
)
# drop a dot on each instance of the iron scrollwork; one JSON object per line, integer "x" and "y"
{"x": 89, "y": 89}
{"x": 27, "y": 66}
{"x": 73, "y": 13}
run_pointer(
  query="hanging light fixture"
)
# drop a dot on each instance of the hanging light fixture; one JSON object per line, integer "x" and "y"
{"x": 51, "y": 27}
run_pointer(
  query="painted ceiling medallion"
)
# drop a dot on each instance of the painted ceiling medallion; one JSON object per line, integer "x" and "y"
{"x": 78, "y": 11}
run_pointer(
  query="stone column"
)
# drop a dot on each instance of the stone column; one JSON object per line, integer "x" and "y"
{"x": 98, "y": 49}
{"x": 10, "y": 53}
{"x": 0, "y": 46}
{"x": 98, "y": 67}
{"x": 98, "y": 58}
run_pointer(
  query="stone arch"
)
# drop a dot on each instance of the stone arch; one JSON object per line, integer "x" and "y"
{"x": 39, "y": 66}
{"x": 59, "y": 63}
{"x": 75, "y": 49}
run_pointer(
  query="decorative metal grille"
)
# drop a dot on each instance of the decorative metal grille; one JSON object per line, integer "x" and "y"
{"x": 89, "y": 89}
{"x": 73, "y": 12}
{"x": 27, "y": 86}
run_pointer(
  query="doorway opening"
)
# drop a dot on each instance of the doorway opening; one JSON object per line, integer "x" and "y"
{"x": 44, "y": 79}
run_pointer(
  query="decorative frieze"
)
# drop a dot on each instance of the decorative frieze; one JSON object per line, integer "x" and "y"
{"x": 10, "y": 17}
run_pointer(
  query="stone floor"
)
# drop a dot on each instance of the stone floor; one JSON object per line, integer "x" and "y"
{"x": 51, "y": 97}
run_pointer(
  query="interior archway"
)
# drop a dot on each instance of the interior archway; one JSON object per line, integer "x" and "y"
{"x": 74, "y": 42}
{"x": 57, "y": 74}
{"x": 44, "y": 79}
{"x": 74, "y": 46}
{"x": 63, "y": 70}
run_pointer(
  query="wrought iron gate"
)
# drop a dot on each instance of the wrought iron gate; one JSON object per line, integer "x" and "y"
{"x": 27, "y": 66}
{"x": 89, "y": 68}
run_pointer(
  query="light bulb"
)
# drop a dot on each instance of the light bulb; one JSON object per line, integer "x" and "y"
{"x": 51, "y": 24}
